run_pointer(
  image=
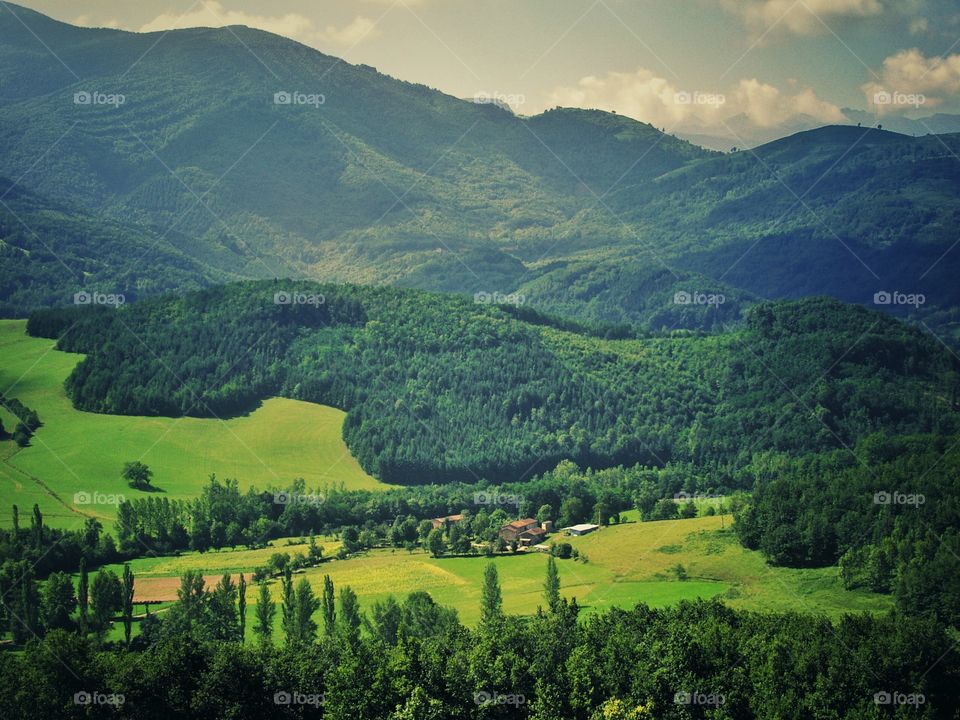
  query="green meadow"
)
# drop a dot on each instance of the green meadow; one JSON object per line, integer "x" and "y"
{"x": 85, "y": 452}
{"x": 626, "y": 564}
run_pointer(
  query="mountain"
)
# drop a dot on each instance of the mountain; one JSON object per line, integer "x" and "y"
{"x": 440, "y": 388}
{"x": 245, "y": 154}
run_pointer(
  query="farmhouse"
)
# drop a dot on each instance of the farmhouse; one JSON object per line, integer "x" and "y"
{"x": 512, "y": 532}
{"x": 581, "y": 529}
{"x": 444, "y": 521}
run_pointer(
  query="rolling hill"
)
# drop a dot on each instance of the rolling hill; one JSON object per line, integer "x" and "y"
{"x": 361, "y": 177}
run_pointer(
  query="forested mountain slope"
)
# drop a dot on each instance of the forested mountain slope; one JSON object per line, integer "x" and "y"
{"x": 440, "y": 388}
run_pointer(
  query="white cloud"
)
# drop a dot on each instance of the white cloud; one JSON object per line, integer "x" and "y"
{"x": 801, "y": 18}
{"x": 647, "y": 97}
{"x": 909, "y": 79}
{"x": 212, "y": 13}
{"x": 86, "y": 21}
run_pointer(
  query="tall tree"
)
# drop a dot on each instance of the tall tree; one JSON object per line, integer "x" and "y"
{"x": 306, "y": 605}
{"x": 36, "y": 527}
{"x": 265, "y": 612}
{"x": 329, "y": 608}
{"x": 350, "y": 620}
{"x": 104, "y": 599}
{"x": 288, "y": 609}
{"x": 491, "y": 600}
{"x": 16, "y": 531}
{"x": 551, "y": 587}
{"x": 83, "y": 596}
{"x": 223, "y": 609}
{"x": 242, "y": 605}
{"x": 126, "y": 601}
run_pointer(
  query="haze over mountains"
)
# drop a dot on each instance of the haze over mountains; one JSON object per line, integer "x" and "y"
{"x": 225, "y": 153}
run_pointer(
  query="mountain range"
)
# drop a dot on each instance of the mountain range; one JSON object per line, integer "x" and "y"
{"x": 145, "y": 163}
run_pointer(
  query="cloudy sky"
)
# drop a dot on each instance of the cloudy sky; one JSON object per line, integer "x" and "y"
{"x": 668, "y": 62}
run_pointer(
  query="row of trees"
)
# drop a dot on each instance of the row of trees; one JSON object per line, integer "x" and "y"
{"x": 27, "y": 420}
{"x": 410, "y": 659}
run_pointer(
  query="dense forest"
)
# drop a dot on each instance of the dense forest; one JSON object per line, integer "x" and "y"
{"x": 887, "y": 511}
{"x": 409, "y": 659}
{"x": 438, "y": 388}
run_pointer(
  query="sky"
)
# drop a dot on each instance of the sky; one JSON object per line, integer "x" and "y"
{"x": 673, "y": 63}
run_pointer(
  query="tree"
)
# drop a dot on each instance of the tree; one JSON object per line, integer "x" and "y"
{"x": 137, "y": 475}
{"x": 314, "y": 551}
{"x": 242, "y": 605}
{"x": 551, "y": 587}
{"x": 349, "y": 620}
{"x": 36, "y": 527}
{"x": 288, "y": 608}
{"x": 25, "y": 617}
{"x": 544, "y": 514}
{"x": 491, "y": 600}
{"x": 351, "y": 539}
{"x": 126, "y": 601}
{"x": 58, "y": 602}
{"x": 435, "y": 542}
{"x": 329, "y": 608}
{"x": 105, "y": 596}
{"x": 222, "y": 609}
{"x": 306, "y": 605}
{"x": 265, "y": 612}
{"x": 83, "y": 595}
{"x": 688, "y": 510}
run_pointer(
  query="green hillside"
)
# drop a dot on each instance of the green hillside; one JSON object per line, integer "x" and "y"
{"x": 78, "y": 451}
{"x": 439, "y": 388}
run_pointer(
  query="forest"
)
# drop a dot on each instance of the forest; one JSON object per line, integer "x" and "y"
{"x": 438, "y": 388}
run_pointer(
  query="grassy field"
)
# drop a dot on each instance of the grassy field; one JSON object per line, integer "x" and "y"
{"x": 628, "y": 563}
{"x": 85, "y": 452}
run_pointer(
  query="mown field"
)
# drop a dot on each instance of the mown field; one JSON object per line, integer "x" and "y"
{"x": 85, "y": 452}
{"x": 629, "y": 563}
